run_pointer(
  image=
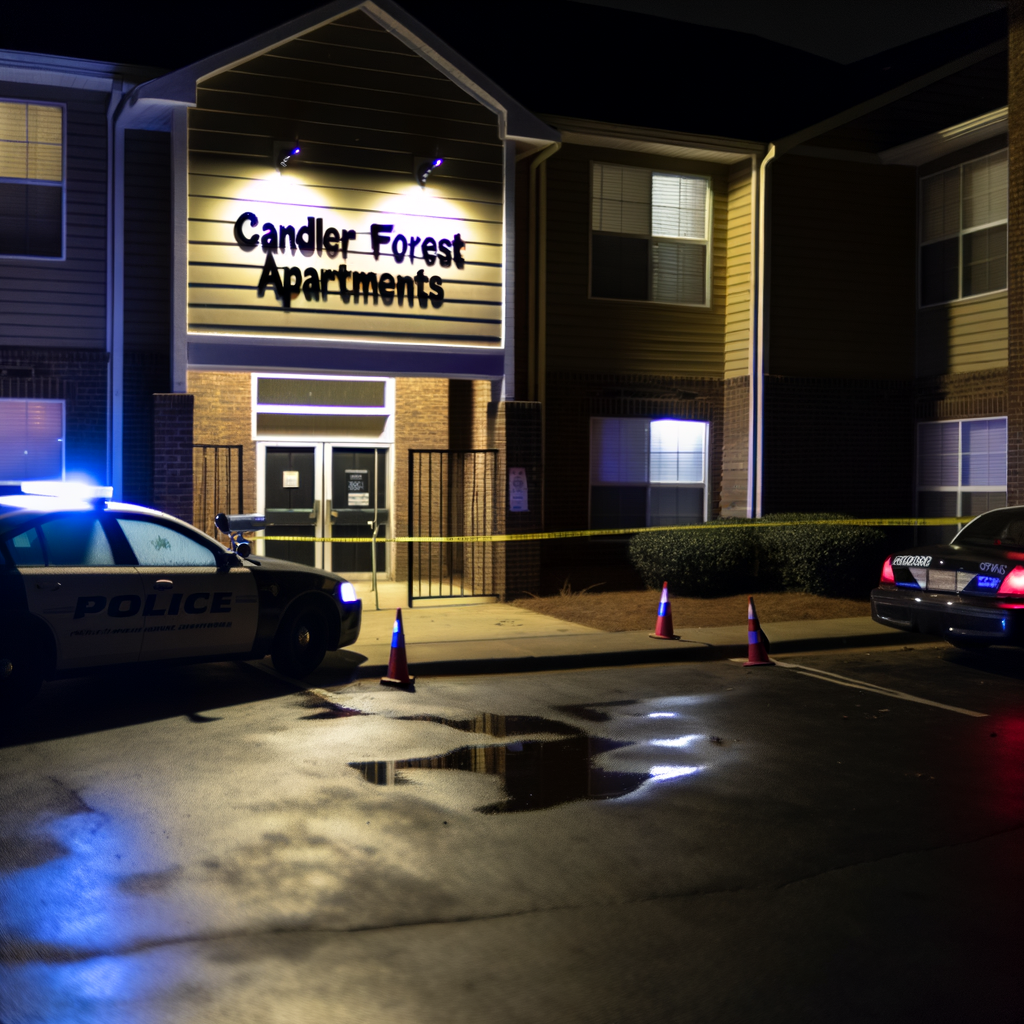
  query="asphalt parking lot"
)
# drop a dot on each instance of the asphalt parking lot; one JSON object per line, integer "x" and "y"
{"x": 701, "y": 842}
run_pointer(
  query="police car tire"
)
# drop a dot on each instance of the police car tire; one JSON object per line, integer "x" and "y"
{"x": 21, "y": 674}
{"x": 301, "y": 641}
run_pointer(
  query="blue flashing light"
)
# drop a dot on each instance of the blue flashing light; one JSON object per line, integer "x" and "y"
{"x": 987, "y": 582}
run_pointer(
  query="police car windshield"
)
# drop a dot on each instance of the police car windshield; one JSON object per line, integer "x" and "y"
{"x": 1002, "y": 528}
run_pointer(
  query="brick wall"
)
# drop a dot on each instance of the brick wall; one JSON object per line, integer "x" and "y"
{"x": 79, "y": 377}
{"x": 223, "y": 415}
{"x": 838, "y": 446}
{"x": 517, "y": 435}
{"x": 955, "y": 396}
{"x": 421, "y": 421}
{"x": 172, "y": 454}
{"x": 145, "y": 374}
{"x": 735, "y": 438}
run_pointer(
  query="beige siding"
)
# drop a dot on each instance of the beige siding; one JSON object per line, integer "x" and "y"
{"x": 963, "y": 337}
{"x": 617, "y": 336}
{"x": 739, "y": 242}
{"x": 348, "y": 92}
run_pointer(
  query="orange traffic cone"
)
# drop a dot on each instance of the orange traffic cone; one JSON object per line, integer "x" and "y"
{"x": 663, "y": 627}
{"x": 757, "y": 642}
{"x": 398, "y": 667}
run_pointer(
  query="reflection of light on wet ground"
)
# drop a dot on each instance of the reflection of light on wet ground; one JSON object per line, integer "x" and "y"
{"x": 66, "y": 912}
{"x": 662, "y": 714}
{"x": 677, "y": 741}
{"x": 661, "y": 772}
{"x": 535, "y": 773}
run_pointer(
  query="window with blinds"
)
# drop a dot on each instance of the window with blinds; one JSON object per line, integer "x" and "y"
{"x": 650, "y": 233}
{"x": 31, "y": 439}
{"x": 961, "y": 470}
{"x": 31, "y": 179}
{"x": 646, "y": 472}
{"x": 963, "y": 230}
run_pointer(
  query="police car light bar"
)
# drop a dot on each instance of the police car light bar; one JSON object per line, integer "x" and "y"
{"x": 67, "y": 489}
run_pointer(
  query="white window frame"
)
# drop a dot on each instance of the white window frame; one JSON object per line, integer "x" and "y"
{"x": 62, "y": 184}
{"x": 387, "y": 436}
{"x": 960, "y": 488}
{"x": 647, "y": 485}
{"x": 708, "y": 240}
{"x": 960, "y": 239}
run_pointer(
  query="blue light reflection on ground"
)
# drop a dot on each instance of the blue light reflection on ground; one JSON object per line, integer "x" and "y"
{"x": 62, "y": 918}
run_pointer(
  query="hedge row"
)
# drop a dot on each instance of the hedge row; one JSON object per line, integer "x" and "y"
{"x": 812, "y": 557}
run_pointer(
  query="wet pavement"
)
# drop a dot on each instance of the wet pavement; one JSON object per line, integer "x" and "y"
{"x": 697, "y": 842}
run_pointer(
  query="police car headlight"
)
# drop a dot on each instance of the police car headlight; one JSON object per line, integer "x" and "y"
{"x": 347, "y": 593}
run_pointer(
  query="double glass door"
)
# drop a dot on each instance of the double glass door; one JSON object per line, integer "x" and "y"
{"x": 325, "y": 489}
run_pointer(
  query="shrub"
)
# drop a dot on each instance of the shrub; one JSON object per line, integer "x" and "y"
{"x": 813, "y": 557}
{"x": 821, "y": 558}
{"x": 696, "y": 563}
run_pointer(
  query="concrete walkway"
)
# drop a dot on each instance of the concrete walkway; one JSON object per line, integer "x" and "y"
{"x": 472, "y": 639}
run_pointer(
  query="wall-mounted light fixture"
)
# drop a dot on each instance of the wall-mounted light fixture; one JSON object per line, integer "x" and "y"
{"x": 425, "y": 166}
{"x": 286, "y": 151}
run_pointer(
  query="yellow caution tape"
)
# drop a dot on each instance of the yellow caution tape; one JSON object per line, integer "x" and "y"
{"x": 564, "y": 534}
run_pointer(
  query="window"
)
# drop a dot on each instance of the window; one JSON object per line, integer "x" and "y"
{"x": 31, "y": 439}
{"x": 963, "y": 230}
{"x": 646, "y": 472}
{"x": 157, "y": 544}
{"x": 649, "y": 235}
{"x": 31, "y": 179}
{"x": 73, "y": 539}
{"x": 961, "y": 470}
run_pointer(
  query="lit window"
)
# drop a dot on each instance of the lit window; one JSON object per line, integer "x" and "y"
{"x": 31, "y": 439}
{"x": 650, "y": 235}
{"x": 963, "y": 230}
{"x": 646, "y": 472}
{"x": 31, "y": 179}
{"x": 961, "y": 470}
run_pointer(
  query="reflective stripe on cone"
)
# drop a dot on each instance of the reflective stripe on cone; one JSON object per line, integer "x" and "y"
{"x": 398, "y": 667}
{"x": 663, "y": 627}
{"x": 757, "y": 642}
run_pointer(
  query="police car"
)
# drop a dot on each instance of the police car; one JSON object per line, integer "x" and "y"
{"x": 970, "y": 591}
{"x": 89, "y": 583}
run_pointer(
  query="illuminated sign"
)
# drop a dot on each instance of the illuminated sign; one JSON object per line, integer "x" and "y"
{"x": 343, "y": 257}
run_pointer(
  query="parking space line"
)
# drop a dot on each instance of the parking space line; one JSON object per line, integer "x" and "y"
{"x": 884, "y": 691}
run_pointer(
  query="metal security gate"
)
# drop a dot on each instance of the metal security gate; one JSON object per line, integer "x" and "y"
{"x": 217, "y": 484}
{"x": 453, "y": 494}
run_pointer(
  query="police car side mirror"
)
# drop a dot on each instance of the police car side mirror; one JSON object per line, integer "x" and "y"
{"x": 228, "y": 560}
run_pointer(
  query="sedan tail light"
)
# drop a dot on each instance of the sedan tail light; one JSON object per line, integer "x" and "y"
{"x": 887, "y": 573}
{"x": 1014, "y": 582}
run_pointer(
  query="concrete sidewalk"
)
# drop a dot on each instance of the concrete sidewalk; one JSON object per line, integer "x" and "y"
{"x": 473, "y": 639}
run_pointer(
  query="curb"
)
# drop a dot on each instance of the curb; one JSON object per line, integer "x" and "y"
{"x": 663, "y": 653}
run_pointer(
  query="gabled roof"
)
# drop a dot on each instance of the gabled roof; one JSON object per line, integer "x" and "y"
{"x": 515, "y": 121}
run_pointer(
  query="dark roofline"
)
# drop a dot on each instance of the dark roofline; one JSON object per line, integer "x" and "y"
{"x": 179, "y": 87}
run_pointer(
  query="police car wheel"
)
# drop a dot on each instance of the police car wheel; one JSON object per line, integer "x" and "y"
{"x": 301, "y": 641}
{"x": 21, "y": 677}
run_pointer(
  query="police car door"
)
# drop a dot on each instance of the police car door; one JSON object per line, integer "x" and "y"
{"x": 71, "y": 582}
{"x": 191, "y": 606}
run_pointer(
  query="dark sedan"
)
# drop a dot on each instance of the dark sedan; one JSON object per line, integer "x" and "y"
{"x": 970, "y": 591}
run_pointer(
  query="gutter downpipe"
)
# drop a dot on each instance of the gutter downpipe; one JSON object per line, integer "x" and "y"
{"x": 538, "y": 300}
{"x": 755, "y": 441}
{"x": 116, "y": 96}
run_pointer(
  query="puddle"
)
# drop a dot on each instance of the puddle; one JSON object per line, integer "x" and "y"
{"x": 536, "y": 773}
{"x": 593, "y": 712}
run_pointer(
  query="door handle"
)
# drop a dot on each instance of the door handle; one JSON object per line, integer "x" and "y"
{"x": 329, "y": 512}
{"x": 315, "y": 514}
{"x": 55, "y": 585}
{"x": 163, "y": 584}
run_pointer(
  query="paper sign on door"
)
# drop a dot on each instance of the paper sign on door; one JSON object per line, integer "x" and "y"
{"x": 518, "y": 495}
{"x": 290, "y": 478}
{"x": 358, "y": 488}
